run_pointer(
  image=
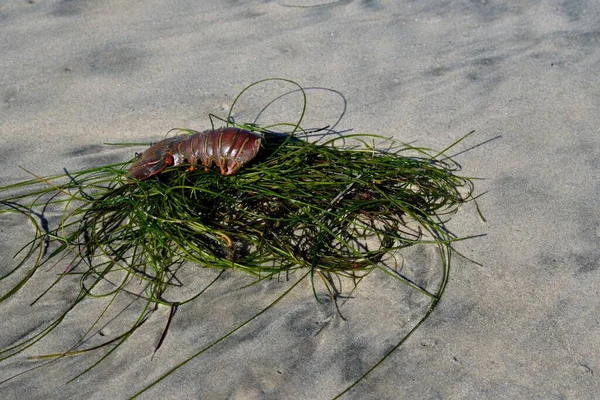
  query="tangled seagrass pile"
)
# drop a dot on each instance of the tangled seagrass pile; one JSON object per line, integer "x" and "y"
{"x": 335, "y": 206}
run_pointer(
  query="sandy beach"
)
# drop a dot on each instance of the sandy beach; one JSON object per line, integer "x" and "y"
{"x": 524, "y": 323}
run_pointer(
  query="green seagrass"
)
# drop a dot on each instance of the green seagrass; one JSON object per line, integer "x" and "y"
{"x": 326, "y": 208}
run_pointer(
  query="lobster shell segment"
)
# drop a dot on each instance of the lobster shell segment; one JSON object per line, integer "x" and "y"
{"x": 232, "y": 148}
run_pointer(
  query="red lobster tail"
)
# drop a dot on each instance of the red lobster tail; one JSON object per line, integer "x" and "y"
{"x": 230, "y": 148}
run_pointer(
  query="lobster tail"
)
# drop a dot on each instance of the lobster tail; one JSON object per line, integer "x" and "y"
{"x": 229, "y": 148}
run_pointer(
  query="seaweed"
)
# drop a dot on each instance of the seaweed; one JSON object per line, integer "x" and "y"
{"x": 330, "y": 209}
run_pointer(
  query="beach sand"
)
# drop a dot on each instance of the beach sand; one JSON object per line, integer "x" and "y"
{"x": 523, "y": 324}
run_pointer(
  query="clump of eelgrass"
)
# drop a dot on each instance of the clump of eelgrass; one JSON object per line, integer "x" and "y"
{"x": 327, "y": 209}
